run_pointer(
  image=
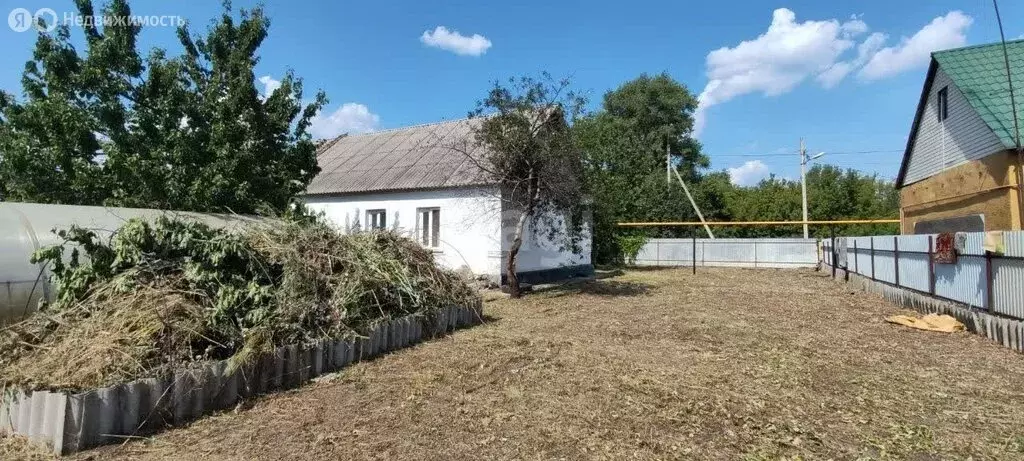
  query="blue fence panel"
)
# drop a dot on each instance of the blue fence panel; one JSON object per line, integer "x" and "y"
{"x": 885, "y": 258}
{"x": 1008, "y": 278}
{"x": 914, "y": 272}
{"x": 964, "y": 281}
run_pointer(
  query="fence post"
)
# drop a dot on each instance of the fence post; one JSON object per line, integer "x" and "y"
{"x": 896, "y": 257}
{"x": 755, "y": 254}
{"x": 694, "y": 237}
{"x": 931, "y": 267}
{"x": 856, "y": 258}
{"x": 872, "y": 258}
{"x": 832, "y": 230}
{"x": 989, "y": 296}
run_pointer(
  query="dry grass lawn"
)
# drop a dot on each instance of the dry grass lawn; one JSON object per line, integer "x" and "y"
{"x": 727, "y": 364}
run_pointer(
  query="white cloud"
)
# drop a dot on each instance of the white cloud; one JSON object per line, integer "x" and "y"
{"x": 777, "y": 60}
{"x": 834, "y": 74}
{"x": 455, "y": 42}
{"x": 748, "y": 174}
{"x": 349, "y": 118}
{"x": 791, "y": 52}
{"x": 942, "y": 33}
{"x": 269, "y": 85}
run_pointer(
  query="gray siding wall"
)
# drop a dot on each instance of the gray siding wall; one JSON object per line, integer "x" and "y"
{"x": 962, "y": 137}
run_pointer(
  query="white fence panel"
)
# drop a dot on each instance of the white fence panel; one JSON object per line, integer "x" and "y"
{"x": 676, "y": 252}
{"x": 730, "y": 252}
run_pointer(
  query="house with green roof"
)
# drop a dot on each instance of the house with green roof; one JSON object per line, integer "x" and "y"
{"x": 961, "y": 170}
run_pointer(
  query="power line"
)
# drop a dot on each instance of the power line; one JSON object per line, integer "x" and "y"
{"x": 794, "y": 153}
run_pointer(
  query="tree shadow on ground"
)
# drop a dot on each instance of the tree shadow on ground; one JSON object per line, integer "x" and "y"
{"x": 609, "y": 288}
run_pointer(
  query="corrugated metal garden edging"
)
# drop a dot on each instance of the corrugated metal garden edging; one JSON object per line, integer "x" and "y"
{"x": 70, "y": 422}
{"x": 1005, "y": 331}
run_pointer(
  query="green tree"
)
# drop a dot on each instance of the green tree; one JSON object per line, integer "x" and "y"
{"x": 533, "y": 156}
{"x": 625, "y": 149}
{"x": 833, "y": 194}
{"x": 191, "y": 132}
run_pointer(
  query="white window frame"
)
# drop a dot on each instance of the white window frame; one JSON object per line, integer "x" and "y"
{"x": 428, "y": 226}
{"x": 372, "y": 221}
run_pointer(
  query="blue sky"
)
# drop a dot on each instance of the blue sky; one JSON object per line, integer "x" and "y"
{"x": 844, "y": 75}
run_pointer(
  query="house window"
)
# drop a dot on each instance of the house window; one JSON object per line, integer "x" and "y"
{"x": 377, "y": 219}
{"x": 943, "y": 103}
{"x": 428, "y": 226}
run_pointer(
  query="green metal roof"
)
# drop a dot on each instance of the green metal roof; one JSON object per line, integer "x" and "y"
{"x": 980, "y": 74}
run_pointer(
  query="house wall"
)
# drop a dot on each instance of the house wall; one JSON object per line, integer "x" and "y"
{"x": 542, "y": 258}
{"x": 962, "y": 137}
{"x": 982, "y": 187}
{"x": 470, "y": 232}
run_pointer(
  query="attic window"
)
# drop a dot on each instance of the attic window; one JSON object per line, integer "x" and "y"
{"x": 943, "y": 106}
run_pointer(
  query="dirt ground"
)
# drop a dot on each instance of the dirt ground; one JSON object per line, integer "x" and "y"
{"x": 661, "y": 364}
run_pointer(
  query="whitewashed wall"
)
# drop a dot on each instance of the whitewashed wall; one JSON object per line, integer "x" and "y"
{"x": 470, "y": 234}
{"x": 538, "y": 251}
{"x": 962, "y": 137}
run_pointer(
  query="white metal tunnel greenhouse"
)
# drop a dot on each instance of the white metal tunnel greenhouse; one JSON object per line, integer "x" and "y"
{"x": 26, "y": 227}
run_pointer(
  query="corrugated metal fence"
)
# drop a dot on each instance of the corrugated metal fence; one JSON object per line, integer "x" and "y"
{"x": 764, "y": 252}
{"x": 980, "y": 279}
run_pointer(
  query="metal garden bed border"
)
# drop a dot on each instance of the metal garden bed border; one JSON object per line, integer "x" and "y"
{"x": 68, "y": 422}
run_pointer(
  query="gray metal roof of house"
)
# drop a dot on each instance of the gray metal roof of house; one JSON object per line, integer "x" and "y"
{"x": 417, "y": 157}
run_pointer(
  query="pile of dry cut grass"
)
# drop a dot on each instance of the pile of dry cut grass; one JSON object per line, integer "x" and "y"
{"x": 161, "y": 295}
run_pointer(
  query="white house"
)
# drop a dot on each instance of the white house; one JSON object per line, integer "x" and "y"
{"x": 412, "y": 180}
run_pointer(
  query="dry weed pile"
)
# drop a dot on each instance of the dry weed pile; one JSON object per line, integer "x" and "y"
{"x": 159, "y": 295}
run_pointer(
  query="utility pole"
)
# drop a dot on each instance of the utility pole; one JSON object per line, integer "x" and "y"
{"x": 1013, "y": 109}
{"x": 804, "y": 160}
{"x": 803, "y": 182}
{"x": 693, "y": 203}
{"x": 668, "y": 164}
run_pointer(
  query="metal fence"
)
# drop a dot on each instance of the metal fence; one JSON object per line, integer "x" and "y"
{"x": 763, "y": 252}
{"x": 980, "y": 279}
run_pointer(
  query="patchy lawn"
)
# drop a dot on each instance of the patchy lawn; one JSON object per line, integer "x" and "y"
{"x": 726, "y": 364}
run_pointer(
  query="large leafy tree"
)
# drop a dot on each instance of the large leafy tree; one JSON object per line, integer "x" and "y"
{"x": 190, "y": 132}
{"x": 625, "y": 157}
{"x": 625, "y": 145}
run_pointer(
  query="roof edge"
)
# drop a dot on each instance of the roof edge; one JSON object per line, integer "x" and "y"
{"x": 394, "y": 191}
{"x": 400, "y": 128}
{"x": 933, "y": 67}
{"x": 980, "y": 45}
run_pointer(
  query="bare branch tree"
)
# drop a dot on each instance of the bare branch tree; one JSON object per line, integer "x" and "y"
{"x": 531, "y": 154}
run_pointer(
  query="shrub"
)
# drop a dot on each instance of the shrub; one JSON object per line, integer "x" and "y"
{"x": 631, "y": 246}
{"x": 158, "y": 295}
